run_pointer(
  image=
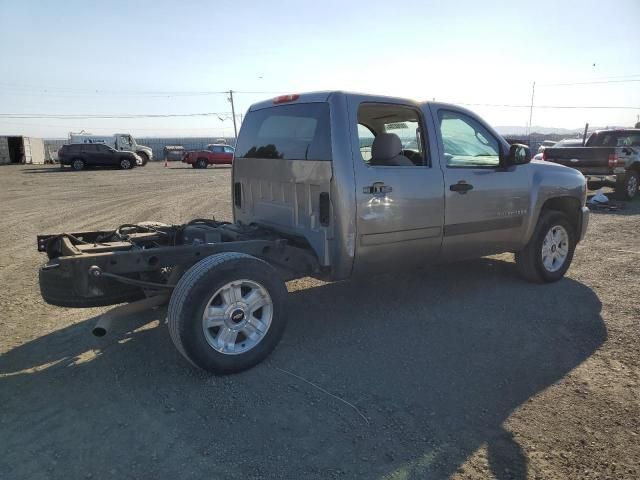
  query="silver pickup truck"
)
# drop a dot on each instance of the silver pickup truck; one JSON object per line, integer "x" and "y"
{"x": 332, "y": 185}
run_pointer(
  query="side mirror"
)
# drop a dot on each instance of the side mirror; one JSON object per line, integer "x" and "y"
{"x": 518, "y": 154}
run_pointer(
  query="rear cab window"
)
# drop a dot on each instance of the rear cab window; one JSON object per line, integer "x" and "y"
{"x": 288, "y": 132}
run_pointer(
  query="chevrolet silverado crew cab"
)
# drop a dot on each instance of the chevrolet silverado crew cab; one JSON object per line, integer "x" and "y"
{"x": 609, "y": 157}
{"x": 331, "y": 185}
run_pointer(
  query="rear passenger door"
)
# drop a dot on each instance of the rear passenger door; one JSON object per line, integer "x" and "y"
{"x": 399, "y": 209}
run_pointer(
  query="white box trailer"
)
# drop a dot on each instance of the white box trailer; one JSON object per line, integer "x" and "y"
{"x": 19, "y": 149}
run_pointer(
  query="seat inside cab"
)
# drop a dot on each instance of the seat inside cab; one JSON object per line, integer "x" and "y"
{"x": 390, "y": 135}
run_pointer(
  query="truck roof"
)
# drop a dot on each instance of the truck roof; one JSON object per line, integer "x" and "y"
{"x": 323, "y": 96}
{"x": 618, "y": 130}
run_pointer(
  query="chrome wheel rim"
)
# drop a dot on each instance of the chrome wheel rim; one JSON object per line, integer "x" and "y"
{"x": 237, "y": 317}
{"x": 125, "y": 164}
{"x": 632, "y": 185}
{"x": 555, "y": 248}
{"x": 77, "y": 164}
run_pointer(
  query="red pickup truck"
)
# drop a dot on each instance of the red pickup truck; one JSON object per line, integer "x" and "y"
{"x": 214, "y": 154}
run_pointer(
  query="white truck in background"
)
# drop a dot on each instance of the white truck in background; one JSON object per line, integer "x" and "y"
{"x": 118, "y": 141}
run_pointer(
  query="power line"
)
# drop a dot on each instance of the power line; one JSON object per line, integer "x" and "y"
{"x": 586, "y": 107}
{"x": 229, "y": 115}
{"x": 594, "y": 82}
{"x": 66, "y": 92}
{"x": 221, "y": 115}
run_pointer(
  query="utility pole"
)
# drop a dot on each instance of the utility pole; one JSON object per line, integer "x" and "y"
{"x": 233, "y": 114}
{"x": 533, "y": 92}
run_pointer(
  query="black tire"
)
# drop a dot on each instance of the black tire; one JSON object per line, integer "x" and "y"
{"x": 202, "y": 163}
{"x": 126, "y": 163}
{"x": 191, "y": 297}
{"x": 529, "y": 259}
{"x": 77, "y": 164}
{"x": 144, "y": 157}
{"x": 594, "y": 185}
{"x": 627, "y": 189}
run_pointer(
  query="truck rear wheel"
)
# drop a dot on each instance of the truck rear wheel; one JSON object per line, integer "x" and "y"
{"x": 547, "y": 256}
{"x": 227, "y": 312}
{"x": 627, "y": 189}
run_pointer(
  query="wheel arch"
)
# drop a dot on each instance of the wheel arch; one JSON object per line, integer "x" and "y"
{"x": 569, "y": 206}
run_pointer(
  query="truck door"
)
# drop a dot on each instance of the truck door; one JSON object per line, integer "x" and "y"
{"x": 124, "y": 143}
{"x": 399, "y": 193}
{"x": 485, "y": 204}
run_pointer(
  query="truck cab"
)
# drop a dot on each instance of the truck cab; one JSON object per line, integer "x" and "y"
{"x": 374, "y": 183}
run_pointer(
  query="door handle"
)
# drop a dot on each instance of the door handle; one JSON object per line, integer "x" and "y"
{"x": 377, "y": 187}
{"x": 461, "y": 187}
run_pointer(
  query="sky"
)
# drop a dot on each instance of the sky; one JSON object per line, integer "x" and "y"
{"x": 163, "y": 58}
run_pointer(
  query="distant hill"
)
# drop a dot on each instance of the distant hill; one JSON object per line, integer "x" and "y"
{"x": 515, "y": 130}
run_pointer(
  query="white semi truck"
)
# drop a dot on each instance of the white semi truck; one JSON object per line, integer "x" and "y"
{"x": 118, "y": 141}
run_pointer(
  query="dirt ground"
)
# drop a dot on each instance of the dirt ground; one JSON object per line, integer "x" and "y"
{"x": 461, "y": 371}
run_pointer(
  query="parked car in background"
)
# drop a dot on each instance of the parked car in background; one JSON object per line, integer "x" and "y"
{"x": 80, "y": 156}
{"x": 214, "y": 154}
{"x": 117, "y": 141}
{"x": 609, "y": 157}
{"x": 173, "y": 153}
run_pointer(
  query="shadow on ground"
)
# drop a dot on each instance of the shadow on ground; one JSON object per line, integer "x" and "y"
{"x": 436, "y": 361}
{"x": 615, "y": 206}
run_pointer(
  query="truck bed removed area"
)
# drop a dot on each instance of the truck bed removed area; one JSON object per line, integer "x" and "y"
{"x": 97, "y": 268}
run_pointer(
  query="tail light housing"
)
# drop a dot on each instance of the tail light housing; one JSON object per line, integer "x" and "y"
{"x": 613, "y": 160}
{"x": 325, "y": 209}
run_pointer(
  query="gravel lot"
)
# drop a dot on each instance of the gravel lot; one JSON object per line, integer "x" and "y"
{"x": 461, "y": 371}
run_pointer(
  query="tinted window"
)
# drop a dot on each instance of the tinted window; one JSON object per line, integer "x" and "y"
{"x": 291, "y": 132}
{"x": 228, "y": 150}
{"x": 629, "y": 140}
{"x": 466, "y": 142}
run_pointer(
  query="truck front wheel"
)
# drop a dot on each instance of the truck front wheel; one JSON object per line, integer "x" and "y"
{"x": 627, "y": 189}
{"x": 202, "y": 163}
{"x": 547, "y": 256}
{"x": 144, "y": 157}
{"x": 227, "y": 312}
